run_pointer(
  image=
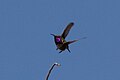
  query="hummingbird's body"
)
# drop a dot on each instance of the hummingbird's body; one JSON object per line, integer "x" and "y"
{"x": 60, "y": 41}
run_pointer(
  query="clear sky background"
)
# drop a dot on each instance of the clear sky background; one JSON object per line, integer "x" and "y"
{"x": 27, "y": 49}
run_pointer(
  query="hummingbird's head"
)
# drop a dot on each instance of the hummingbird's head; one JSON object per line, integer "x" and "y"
{"x": 57, "y": 38}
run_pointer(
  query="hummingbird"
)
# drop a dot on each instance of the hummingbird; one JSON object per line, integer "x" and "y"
{"x": 60, "y": 41}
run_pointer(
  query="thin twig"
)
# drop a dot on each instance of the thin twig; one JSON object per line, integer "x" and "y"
{"x": 55, "y": 64}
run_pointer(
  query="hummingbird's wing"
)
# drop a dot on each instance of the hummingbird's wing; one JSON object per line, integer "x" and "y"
{"x": 69, "y": 42}
{"x": 67, "y": 29}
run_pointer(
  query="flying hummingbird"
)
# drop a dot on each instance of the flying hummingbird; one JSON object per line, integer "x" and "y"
{"x": 60, "y": 41}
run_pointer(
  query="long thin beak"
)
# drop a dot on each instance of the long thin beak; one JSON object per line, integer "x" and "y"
{"x": 52, "y": 34}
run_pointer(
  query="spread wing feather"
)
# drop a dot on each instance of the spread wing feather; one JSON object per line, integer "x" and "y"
{"x": 69, "y": 42}
{"x": 67, "y": 29}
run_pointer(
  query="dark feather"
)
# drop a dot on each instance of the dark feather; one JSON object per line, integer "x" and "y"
{"x": 67, "y": 29}
{"x": 69, "y": 42}
{"x": 68, "y": 49}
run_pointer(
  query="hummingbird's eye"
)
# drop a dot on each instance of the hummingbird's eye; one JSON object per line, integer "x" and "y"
{"x": 58, "y": 39}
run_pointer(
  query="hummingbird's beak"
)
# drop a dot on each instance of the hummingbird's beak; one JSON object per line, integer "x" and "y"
{"x": 52, "y": 34}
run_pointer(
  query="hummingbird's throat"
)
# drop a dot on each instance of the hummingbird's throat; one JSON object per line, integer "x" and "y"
{"x": 58, "y": 39}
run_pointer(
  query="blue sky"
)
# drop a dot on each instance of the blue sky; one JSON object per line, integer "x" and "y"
{"x": 27, "y": 49}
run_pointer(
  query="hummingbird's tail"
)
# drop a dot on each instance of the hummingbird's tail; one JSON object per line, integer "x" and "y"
{"x": 68, "y": 49}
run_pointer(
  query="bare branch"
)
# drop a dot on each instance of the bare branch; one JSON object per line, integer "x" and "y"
{"x": 55, "y": 64}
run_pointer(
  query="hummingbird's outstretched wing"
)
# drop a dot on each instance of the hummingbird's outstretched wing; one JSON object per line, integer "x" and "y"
{"x": 67, "y": 29}
{"x": 69, "y": 42}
